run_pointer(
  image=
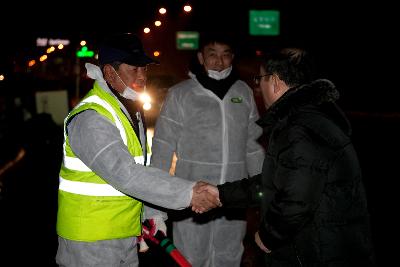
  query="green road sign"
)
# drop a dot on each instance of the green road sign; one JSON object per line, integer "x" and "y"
{"x": 187, "y": 40}
{"x": 264, "y": 22}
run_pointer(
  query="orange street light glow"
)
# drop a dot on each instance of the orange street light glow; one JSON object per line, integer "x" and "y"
{"x": 50, "y": 49}
{"x": 31, "y": 63}
{"x": 43, "y": 58}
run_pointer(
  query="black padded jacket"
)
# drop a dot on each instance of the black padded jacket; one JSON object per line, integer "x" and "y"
{"x": 313, "y": 203}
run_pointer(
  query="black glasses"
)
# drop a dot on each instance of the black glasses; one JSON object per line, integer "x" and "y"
{"x": 258, "y": 78}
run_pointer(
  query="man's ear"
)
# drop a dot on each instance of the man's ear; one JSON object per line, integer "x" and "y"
{"x": 279, "y": 85}
{"x": 108, "y": 73}
{"x": 276, "y": 83}
{"x": 200, "y": 58}
{"x": 110, "y": 76}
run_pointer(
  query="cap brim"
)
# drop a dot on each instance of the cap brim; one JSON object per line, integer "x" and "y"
{"x": 141, "y": 60}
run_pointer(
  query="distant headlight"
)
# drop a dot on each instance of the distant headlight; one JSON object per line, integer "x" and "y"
{"x": 145, "y": 98}
{"x": 147, "y": 106}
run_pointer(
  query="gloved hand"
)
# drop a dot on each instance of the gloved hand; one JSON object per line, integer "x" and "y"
{"x": 143, "y": 247}
{"x": 152, "y": 229}
{"x": 155, "y": 230}
{"x": 154, "y": 224}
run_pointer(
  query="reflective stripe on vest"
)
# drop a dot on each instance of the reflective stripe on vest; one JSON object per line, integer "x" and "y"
{"x": 89, "y": 208}
{"x": 140, "y": 159}
{"x": 97, "y": 100}
{"x": 75, "y": 163}
{"x": 89, "y": 189}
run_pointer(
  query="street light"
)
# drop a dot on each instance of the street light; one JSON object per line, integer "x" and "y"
{"x": 31, "y": 63}
{"x": 50, "y": 49}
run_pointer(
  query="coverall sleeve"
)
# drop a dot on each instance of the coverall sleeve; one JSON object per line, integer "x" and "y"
{"x": 98, "y": 144}
{"x": 151, "y": 211}
{"x": 255, "y": 152}
{"x": 167, "y": 132}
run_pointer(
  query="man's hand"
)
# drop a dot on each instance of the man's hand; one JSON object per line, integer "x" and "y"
{"x": 143, "y": 247}
{"x": 205, "y": 197}
{"x": 154, "y": 224}
{"x": 260, "y": 243}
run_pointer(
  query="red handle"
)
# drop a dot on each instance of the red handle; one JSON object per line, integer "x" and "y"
{"x": 178, "y": 257}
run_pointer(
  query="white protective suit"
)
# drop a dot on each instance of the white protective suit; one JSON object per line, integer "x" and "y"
{"x": 215, "y": 141}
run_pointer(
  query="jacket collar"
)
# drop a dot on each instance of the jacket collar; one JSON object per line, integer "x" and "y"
{"x": 315, "y": 93}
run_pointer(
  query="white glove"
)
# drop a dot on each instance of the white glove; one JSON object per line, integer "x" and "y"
{"x": 143, "y": 247}
{"x": 153, "y": 225}
{"x": 152, "y": 229}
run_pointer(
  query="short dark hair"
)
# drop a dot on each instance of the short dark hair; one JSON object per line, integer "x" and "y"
{"x": 294, "y": 66}
{"x": 207, "y": 38}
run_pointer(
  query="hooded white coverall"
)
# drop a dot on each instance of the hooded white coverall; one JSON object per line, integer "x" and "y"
{"x": 214, "y": 141}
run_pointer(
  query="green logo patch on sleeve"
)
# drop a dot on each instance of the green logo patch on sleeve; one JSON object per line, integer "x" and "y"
{"x": 236, "y": 99}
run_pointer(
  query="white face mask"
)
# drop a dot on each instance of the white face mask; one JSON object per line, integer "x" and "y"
{"x": 219, "y": 75}
{"x": 128, "y": 92}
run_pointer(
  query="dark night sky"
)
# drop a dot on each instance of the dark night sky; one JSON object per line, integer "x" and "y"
{"x": 353, "y": 41}
{"x": 353, "y": 44}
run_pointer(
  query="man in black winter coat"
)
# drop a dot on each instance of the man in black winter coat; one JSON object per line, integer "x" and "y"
{"x": 313, "y": 202}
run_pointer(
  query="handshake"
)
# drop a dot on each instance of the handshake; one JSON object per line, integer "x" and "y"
{"x": 205, "y": 197}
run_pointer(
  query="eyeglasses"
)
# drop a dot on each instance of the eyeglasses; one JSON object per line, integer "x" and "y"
{"x": 258, "y": 78}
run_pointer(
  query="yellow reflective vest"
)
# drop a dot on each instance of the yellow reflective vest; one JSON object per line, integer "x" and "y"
{"x": 90, "y": 209}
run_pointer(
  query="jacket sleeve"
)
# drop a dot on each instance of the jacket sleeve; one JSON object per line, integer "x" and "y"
{"x": 167, "y": 132}
{"x": 97, "y": 142}
{"x": 255, "y": 152}
{"x": 295, "y": 190}
{"x": 242, "y": 193}
{"x": 151, "y": 211}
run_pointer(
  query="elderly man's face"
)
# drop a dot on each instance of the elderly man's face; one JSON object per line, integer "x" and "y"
{"x": 133, "y": 76}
